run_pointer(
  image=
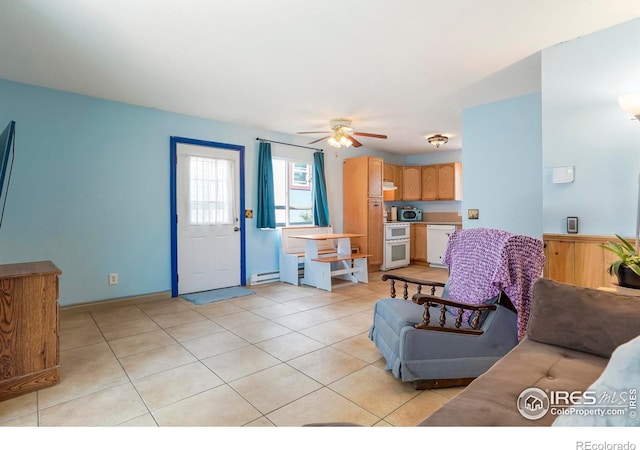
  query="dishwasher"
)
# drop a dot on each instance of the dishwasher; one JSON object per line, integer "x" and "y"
{"x": 437, "y": 239}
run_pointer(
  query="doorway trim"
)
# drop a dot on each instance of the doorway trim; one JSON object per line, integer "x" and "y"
{"x": 174, "y": 141}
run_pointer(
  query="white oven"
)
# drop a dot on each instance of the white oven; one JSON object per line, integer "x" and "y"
{"x": 396, "y": 245}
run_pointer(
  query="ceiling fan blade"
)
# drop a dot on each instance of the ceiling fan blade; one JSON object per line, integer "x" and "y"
{"x": 379, "y": 136}
{"x": 354, "y": 141}
{"x": 311, "y": 132}
{"x": 318, "y": 140}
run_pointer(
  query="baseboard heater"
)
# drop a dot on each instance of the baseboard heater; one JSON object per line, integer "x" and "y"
{"x": 266, "y": 277}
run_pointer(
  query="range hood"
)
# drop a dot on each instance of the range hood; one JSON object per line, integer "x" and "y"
{"x": 388, "y": 186}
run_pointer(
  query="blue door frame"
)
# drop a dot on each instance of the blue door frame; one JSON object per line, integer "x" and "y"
{"x": 174, "y": 215}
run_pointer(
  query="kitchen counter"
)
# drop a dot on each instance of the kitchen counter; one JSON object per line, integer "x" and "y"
{"x": 426, "y": 222}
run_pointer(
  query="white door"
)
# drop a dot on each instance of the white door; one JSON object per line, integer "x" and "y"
{"x": 208, "y": 209}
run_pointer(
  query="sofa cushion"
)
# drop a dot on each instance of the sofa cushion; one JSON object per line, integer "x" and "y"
{"x": 582, "y": 319}
{"x": 491, "y": 399}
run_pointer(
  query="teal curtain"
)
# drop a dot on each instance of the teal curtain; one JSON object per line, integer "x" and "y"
{"x": 266, "y": 213}
{"x": 320, "y": 202}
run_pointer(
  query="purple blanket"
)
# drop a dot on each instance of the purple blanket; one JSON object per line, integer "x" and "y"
{"x": 482, "y": 260}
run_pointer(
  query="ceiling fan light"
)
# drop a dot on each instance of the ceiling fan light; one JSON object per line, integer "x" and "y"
{"x": 333, "y": 142}
{"x": 345, "y": 141}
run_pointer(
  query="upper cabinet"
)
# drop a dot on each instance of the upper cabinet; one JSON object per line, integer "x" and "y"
{"x": 375, "y": 177}
{"x": 393, "y": 174}
{"x": 449, "y": 181}
{"x": 427, "y": 183}
{"x": 411, "y": 183}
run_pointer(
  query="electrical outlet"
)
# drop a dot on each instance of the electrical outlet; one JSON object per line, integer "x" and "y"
{"x": 113, "y": 279}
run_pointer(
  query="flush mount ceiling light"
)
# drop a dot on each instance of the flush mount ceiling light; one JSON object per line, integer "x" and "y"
{"x": 438, "y": 140}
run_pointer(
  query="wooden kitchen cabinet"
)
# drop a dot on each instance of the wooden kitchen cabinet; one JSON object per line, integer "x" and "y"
{"x": 578, "y": 259}
{"x": 441, "y": 182}
{"x": 429, "y": 182}
{"x": 411, "y": 183}
{"x": 419, "y": 242}
{"x": 389, "y": 172}
{"x": 363, "y": 204}
{"x": 398, "y": 193}
{"x": 450, "y": 181}
{"x": 375, "y": 232}
{"x": 29, "y": 327}
{"x": 393, "y": 173}
{"x": 375, "y": 167}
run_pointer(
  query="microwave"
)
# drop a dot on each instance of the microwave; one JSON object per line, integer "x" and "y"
{"x": 410, "y": 215}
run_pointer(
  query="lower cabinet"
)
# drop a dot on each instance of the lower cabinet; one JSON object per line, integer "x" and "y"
{"x": 419, "y": 242}
{"x": 578, "y": 259}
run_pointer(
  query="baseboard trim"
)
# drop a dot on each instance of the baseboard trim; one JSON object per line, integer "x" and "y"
{"x": 123, "y": 301}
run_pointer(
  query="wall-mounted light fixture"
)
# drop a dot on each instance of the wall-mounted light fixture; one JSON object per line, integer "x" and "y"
{"x": 631, "y": 104}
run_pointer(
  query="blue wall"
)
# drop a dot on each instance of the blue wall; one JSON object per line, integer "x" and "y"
{"x": 90, "y": 189}
{"x": 583, "y": 126}
{"x": 502, "y": 165}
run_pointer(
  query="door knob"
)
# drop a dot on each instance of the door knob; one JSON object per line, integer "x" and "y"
{"x": 236, "y": 229}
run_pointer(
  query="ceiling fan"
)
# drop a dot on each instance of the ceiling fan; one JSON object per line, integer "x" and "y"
{"x": 342, "y": 134}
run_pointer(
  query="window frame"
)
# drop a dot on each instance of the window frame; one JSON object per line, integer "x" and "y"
{"x": 290, "y": 185}
{"x": 293, "y": 183}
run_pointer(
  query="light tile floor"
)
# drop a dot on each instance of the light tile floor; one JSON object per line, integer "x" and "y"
{"x": 285, "y": 356}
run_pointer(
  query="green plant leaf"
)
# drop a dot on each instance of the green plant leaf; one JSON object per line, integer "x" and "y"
{"x": 614, "y": 247}
{"x": 630, "y": 248}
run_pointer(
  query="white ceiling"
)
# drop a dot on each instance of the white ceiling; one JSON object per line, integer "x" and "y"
{"x": 405, "y": 68}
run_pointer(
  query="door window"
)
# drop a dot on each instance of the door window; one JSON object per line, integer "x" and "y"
{"x": 210, "y": 191}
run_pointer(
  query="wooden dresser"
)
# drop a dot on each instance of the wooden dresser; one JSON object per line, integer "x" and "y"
{"x": 29, "y": 327}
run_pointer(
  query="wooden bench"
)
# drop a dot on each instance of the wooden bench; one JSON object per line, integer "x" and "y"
{"x": 336, "y": 258}
{"x": 292, "y": 251}
{"x": 352, "y": 268}
{"x": 320, "y": 269}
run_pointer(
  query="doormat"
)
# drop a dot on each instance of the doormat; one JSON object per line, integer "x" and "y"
{"x": 202, "y": 298}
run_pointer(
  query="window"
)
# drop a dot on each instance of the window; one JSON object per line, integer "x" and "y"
{"x": 299, "y": 176}
{"x": 293, "y": 192}
{"x": 210, "y": 191}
